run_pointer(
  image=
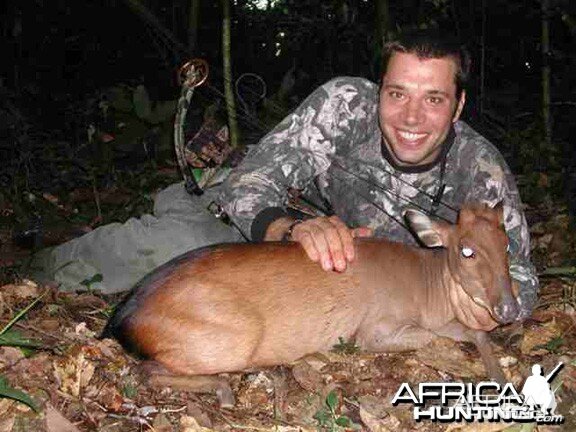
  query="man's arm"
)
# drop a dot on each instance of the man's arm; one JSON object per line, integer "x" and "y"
{"x": 291, "y": 155}
{"x": 296, "y": 151}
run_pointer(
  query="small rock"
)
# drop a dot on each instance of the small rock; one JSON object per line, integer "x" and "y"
{"x": 308, "y": 378}
{"x": 507, "y": 361}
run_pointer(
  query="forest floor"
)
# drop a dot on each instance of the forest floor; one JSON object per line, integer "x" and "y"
{"x": 77, "y": 382}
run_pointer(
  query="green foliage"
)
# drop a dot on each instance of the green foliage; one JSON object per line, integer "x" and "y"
{"x": 329, "y": 420}
{"x": 97, "y": 278}
{"x": 15, "y": 339}
{"x": 9, "y": 337}
{"x": 559, "y": 271}
{"x": 19, "y": 315}
{"x": 129, "y": 390}
{"x": 344, "y": 347}
{"x": 108, "y": 311}
{"x": 526, "y": 427}
{"x": 553, "y": 345}
{"x": 11, "y": 393}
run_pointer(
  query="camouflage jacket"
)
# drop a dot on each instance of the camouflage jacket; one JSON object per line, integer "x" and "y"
{"x": 331, "y": 148}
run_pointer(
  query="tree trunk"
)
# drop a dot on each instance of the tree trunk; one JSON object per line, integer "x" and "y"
{"x": 382, "y": 17}
{"x": 546, "y": 117}
{"x": 227, "y": 62}
{"x": 193, "y": 20}
{"x": 482, "y": 60}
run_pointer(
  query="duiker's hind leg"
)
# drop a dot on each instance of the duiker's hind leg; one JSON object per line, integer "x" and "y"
{"x": 158, "y": 376}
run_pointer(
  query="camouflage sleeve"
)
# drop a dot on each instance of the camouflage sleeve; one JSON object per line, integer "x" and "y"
{"x": 494, "y": 182}
{"x": 291, "y": 155}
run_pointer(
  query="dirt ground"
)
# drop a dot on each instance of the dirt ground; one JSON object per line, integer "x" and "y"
{"x": 81, "y": 383}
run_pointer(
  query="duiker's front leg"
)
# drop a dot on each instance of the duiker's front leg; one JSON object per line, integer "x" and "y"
{"x": 384, "y": 337}
{"x": 457, "y": 331}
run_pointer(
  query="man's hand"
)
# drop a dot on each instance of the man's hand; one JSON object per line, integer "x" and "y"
{"x": 327, "y": 240}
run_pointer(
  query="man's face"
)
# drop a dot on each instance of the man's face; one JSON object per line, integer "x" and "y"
{"x": 417, "y": 107}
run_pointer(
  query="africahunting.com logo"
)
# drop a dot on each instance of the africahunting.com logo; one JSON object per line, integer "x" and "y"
{"x": 484, "y": 401}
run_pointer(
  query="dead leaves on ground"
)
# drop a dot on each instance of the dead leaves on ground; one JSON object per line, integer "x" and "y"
{"x": 82, "y": 383}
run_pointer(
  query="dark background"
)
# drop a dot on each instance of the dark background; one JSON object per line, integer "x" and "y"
{"x": 61, "y": 57}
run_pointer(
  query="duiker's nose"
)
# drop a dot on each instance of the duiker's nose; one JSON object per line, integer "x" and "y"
{"x": 507, "y": 310}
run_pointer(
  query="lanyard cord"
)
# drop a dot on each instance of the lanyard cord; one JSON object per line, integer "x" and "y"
{"x": 436, "y": 198}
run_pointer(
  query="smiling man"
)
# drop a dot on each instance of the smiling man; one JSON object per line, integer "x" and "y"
{"x": 364, "y": 153}
{"x": 418, "y": 104}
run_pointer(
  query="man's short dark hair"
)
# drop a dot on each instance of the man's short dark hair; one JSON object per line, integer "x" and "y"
{"x": 431, "y": 44}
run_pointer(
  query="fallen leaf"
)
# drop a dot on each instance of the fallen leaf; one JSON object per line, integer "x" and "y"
{"x": 536, "y": 338}
{"x": 194, "y": 410}
{"x": 56, "y": 422}
{"x": 291, "y": 429}
{"x": 445, "y": 355}
{"x": 27, "y": 289}
{"x": 111, "y": 398}
{"x": 569, "y": 376}
{"x": 189, "y": 424}
{"x": 6, "y": 424}
{"x": 317, "y": 361}
{"x": 308, "y": 378}
{"x": 257, "y": 393}
{"x": 10, "y": 355}
{"x": 86, "y": 301}
{"x": 5, "y": 405}
{"x": 49, "y": 324}
{"x": 477, "y": 427}
{"x": 73, "y": 372}
{"x": 374, "y": 415}
{"x": 24, "y": 290}
{"x": 162, "y": 424}
{"x": 83, "y": 330}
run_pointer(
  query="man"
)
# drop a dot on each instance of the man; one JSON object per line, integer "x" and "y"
{"x": 365, "y": 154}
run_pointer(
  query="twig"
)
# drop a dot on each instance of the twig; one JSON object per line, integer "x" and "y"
{"x": 96, "y": 197}
{"x": 42, "y": 332}
{"x": 172, "y": 410}
{"x": 21, "y": 313}
{"x": 568, "y": 103}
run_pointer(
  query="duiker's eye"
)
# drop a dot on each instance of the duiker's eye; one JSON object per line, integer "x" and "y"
{"x": 467, "y": 252}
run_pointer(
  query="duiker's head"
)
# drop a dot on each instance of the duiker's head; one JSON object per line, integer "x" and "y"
{"x": 477, "y": 248}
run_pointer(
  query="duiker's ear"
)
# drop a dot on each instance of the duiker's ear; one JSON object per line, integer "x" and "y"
{"x": 432, "y": 233}
{"x": 499, "y": 207}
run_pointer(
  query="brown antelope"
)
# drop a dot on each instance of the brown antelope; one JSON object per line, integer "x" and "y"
{"x": 231, "y": 307}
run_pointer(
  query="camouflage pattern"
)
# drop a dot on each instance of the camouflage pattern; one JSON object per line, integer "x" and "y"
{"x": 330, "y": 147}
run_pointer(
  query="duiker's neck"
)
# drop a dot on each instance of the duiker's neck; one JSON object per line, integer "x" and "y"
{"x": 437, "y": 284}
